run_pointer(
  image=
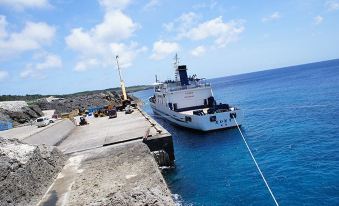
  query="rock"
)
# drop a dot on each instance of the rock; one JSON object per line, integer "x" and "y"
{"x": 14, "y": 106}
{"x": 37, "y": 110}
{"x": 31, "y": 114}
{"x": 26, "y": 171}
{"x": 22, "y": 116}
{"x": 20, "y": 113}
{"x": 18, "y": 117}
{"x": 68, "y": 104}
{"x": 4, "y": 115}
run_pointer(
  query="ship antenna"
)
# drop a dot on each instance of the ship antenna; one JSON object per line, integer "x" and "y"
{"x": 176, "y": 64}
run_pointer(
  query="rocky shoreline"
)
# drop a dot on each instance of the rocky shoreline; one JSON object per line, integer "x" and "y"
{"x": 21, "y": 116}
{"x": 19, "y": 112}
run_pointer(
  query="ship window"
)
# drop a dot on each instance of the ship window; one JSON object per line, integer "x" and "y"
{"x": 188, "y": 119}
{"x": 233, "y": 115}
{"x": 213, "y": 118}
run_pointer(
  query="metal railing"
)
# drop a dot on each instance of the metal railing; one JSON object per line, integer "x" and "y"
{"x": 178, "y": 88}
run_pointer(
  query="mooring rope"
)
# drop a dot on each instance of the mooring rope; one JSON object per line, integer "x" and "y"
{"x": 256, "y": 164}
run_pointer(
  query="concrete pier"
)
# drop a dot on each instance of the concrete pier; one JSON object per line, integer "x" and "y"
{"x": 114, "y": 162}
{"x": 110, "y": 161}
{"x": 121, "y": 174}
{"x": 126, "y": 127}
{"x": 100, "y": 132}
{"x": 33, "y": 135}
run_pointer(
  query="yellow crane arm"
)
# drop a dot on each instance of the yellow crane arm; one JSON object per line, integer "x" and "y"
{"x": 122, "y": 83}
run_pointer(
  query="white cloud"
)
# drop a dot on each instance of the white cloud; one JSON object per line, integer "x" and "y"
{"x": 114, "y": 4}
{"x": 188, "y": 19}
{"x": 50, "y": 61}
{"x": 188, "y": 26}
{"x": 223, "y": 33}
{"x": 32, "y": 37}
{"x": 318, "y": 20}
{"x": 273, "y": 17}
{"x": 29, "y": 73}
{"x": 126, "y": 52}
{"x": 168, "y": 26}
{"x": 182, "y": 23}
{"x": 82, "y": 41}
{"x": 46, "y": 62}
{"x": 86, "y": 64}
{"x": 3, "y": 25}
{"x": 116, "y": 26}
{"x": 3, "y": 75}
{"x": 211, "y": 5}
{"x": 332, "y": 5}
{"x": 23, "y": 4}
{"x": 98, "y": 46}
{"x": 162, "y": 49}
{"x": 151, "y": 4}
{"x": 198, "y": 51}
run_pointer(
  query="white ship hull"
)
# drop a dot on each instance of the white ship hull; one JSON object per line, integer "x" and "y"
{"x": 223, "y": 120}
{"x": 189, "y": 102}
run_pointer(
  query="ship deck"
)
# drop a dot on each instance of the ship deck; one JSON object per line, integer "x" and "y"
{"x": 190, "y": 112}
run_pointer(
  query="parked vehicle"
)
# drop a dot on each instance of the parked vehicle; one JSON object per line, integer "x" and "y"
{"x": 112, "y": 113}
{"x": 43, "y": 121}
{"x": 128, "y": 109}
{"x": 83, "y": 121}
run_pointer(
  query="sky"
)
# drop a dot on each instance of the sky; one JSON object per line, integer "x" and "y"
{"x": 66, "y": 46}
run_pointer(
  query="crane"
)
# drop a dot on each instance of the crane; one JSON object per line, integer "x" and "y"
{"x": 122, "y": 83}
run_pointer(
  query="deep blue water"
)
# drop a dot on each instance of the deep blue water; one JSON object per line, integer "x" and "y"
{"x": 292, "y": 126}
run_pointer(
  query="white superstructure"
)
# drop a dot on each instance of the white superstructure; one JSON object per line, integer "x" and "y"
{"x": 189, "y": 102}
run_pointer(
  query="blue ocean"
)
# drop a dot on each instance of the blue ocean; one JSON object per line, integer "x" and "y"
{"x": 292, "y": 127}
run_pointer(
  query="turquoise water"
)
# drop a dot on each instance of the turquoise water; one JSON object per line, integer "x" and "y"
{"x": 292, "y": 126}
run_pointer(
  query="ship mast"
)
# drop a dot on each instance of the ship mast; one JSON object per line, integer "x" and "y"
{"x": 122, "y": 83}
{"x": 176, "y": 64}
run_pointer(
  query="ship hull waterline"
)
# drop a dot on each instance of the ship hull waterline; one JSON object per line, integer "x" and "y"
{"x": 223, "y": 120}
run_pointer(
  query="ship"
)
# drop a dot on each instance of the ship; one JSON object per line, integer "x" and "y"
{"x": 188, "y": 101}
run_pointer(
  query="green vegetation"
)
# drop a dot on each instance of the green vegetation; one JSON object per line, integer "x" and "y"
{"x": 33, "y": 97}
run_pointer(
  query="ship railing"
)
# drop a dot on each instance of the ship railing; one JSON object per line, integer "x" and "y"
{"x": 189, "y": 87}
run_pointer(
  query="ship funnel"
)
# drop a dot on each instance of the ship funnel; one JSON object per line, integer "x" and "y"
{"x": 183, "y": 75}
